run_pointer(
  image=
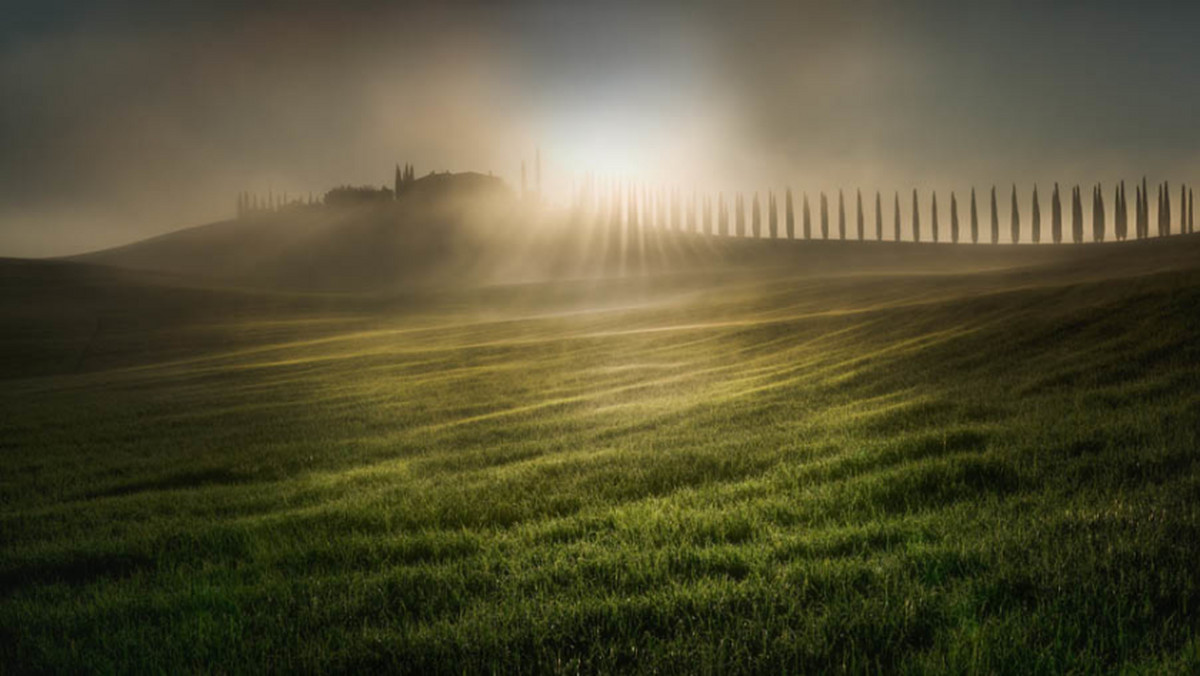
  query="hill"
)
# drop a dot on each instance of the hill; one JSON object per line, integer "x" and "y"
{"x": 468, "y": 229}
{"x": 423, "y": 237}
{"x": 750, "y": 471}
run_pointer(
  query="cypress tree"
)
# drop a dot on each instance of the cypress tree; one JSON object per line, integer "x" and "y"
{"x": 1016, "y": 217}
{"x": 824, "y": 217}
{"x": 995, "y": 219}
{"x": 755, "y": 219}
{"x": 691, "y": 213}
{"x": 1076, "y": 215}
{"x": 1166, "y": 208}
{"x": 1036, "y": 224}
{"x": 1100, "y": 218}
{"x": 841, "y": 215}
{"x": 772, "y": 219}
{"x": 1056, "y": 216}
{"x": 722, "y": 216}
{"x": 974, "y": 219}
{"x": 1137, "y": 211}
{"x": 791, "y": 219}
{"x": 739, "y": 216}
{"x": 861, "y": 234}
{"x": 1145, "y": 220}
{"x": 933, "y": 220}
{"x": 707, "y": 215}
{"x": 1183, "y": 209}
{"x": 916, "y": 219}
{"x": 1191, "y": 203}
{"x": 807, "y": 219}
{"x": 953, "y": 218}
{"x": 896, "y": 219}
{"x": 1119, "y": 223}
{"x": 878, "y": 218}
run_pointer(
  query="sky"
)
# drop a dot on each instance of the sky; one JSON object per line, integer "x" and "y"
{"x": 128, "y": 119}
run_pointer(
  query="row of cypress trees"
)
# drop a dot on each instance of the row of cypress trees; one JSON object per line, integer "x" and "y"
{"x": 669, "y": 210}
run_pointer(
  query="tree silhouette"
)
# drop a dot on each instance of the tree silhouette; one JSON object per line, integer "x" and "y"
{"x": 1056, "y": 216}
{"x": 933, "y": 219}
{"x": 916, "y": 219}
{"x": 740, "y": 215}
{"x": 791, "y": 219}
{"x": 841, "y": 215}
{"x": 691, "y": 213}
{"x": 1137, "y": 211}
{"x": 1035, "y": 234}
{"x": 896, "y": 218}
{"x": 1076, "y": 215}
{"x": 755, "y": 219}
{"x": 1191, "y": 203}
{"x": 1099, "y": 224}
{"x": 1119, "y": 215}
{"x": 1183, "y": 209}
{"x": 974, "y": 219}
{"x": 824, "y": 217}
{"x": 707, "y": 215}
{"x": 634, "y": 229}
{"x": 722, "y": 216}
{"x": 953, "y": 218}
{"x": 1015, "y": 212}
{"x": 1144, "y": 230}
{"x": 807, "y": 219}
{"x": 1166, "y": 208}
{"x": 772, "y": 219}
{"x": 878, "y": 218}
{"x": 995, "y": 219}
{"x": 861, "y": 233}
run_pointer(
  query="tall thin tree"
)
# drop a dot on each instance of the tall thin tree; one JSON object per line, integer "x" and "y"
{"x": 772, "y": 220}
{"x": 1035, "y": 234}
{"x": 933, "y": 219}
{"x": 791, "y": 219}
{"x": 841, "y": 215}
{"x": 1076, "y": 215}
{"x": 995, "y": 219}
{"x": 974, "y": 219}
{"x": 953, "y": 218}
{"x": 824, "y": 216}
{"x": 896, "y": 219}
{"x": 1183, "y": 209}
{"x": 1015, "y": 211}
{"x": 1056, "y": 216}
{"x": 861, "y": 234}
{"x": 755, "y": 219}
{"x": 739, "y": 216}
{"x": 722, "y": 218}
{"x": 916, "y": 218}
{"x": 878, "y": 217}
{"x": 807, "y": 219}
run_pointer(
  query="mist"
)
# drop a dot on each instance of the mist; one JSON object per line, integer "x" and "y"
{"x": 144, "y": 118}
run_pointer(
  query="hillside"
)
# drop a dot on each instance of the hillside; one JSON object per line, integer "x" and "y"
{"x": 424, "y": 237}
{"x": 746, "y": 471}
{"x": 467, "y": 229}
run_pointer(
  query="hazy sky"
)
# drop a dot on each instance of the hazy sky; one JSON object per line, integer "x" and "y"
{"x": 121, "y": 120}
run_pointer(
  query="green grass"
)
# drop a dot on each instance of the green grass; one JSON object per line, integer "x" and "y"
{"x": 992, "y": 472}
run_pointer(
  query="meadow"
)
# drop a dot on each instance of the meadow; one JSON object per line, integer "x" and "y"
{"x": 751, "y": 471}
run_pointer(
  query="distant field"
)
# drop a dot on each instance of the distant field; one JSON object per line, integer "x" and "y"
{"x": 993, "y": 471}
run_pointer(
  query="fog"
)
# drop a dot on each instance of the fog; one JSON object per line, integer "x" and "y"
{"x": 135, "y": 119}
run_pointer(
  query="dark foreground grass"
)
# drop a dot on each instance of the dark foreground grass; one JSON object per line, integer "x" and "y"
{"x": 972, "y": 473}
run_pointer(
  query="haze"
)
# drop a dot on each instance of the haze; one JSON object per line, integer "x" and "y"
{"x": 140, "y": 118}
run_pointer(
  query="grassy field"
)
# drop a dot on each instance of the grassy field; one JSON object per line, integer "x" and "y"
{"x": 993, "y": 472}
